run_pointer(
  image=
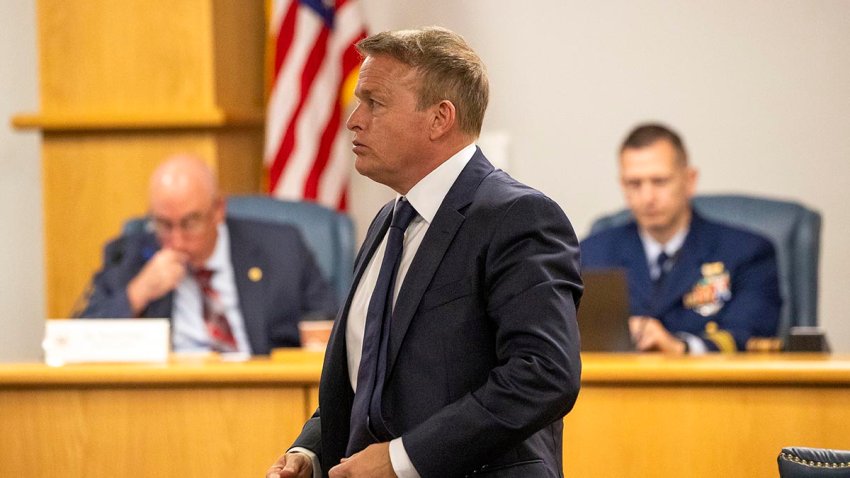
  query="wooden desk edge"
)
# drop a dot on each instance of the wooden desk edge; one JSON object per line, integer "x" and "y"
{"x": 819, "y": 369}
{"x": 298, "y": 367}
{"x": 223, "y": 373}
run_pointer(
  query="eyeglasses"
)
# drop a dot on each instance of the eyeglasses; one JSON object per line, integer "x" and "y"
{"x": 192, "y": 224}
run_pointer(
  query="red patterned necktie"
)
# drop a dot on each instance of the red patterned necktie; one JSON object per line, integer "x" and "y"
{"x": 217, "y": 326}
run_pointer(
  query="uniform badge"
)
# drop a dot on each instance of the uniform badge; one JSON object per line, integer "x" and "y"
{"x": 711, "y": 292}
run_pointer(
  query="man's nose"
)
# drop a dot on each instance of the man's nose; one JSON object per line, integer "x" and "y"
{"x": 353, "y": 122}
{"x": 176, "y": 239}
{"x": 647, "y": 193}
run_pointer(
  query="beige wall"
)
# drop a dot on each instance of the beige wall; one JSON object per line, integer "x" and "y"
{"x": 21, "y": 252}
{"x": 756, "y": 87}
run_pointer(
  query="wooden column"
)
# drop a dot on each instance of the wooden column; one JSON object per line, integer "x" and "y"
{"x": 124, "y": 84}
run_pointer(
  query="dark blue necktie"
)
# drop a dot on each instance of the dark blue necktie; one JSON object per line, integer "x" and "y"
{"x": 663, "y": 266}
{"x": 658, "y": 283}
{"x": 367, "y": 424}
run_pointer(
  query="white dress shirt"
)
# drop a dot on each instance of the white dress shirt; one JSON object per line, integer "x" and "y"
{"x": 426, "y": 197}
{"x": 189, "y": 331}
{"x": 653, "y": 249}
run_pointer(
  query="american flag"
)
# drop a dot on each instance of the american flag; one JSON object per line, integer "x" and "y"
{"x": 308, "y": 150}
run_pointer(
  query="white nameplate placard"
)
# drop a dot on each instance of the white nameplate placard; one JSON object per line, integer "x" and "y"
{"x": 106, "y": 340}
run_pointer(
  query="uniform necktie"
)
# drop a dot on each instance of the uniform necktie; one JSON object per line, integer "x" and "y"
{"x": 663, "y": 262}
{"x": 663, "y": 266}
{"x": 221, "y": 337}
{"x": 367, "y": 424}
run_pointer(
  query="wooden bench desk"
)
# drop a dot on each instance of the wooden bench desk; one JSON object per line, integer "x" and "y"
{"x": 637, "y": 416}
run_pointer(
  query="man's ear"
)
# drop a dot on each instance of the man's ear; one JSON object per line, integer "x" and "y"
{"x": 219, "y": 209}
{"x": 691, "y": 180}
{"x": 442, "y": 119}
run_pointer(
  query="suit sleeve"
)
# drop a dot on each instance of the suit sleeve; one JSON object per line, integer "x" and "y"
{"x": 531, "y": 284}
{"x": 107, "y": 295}
{"x": 753, "y": 310}
{"x": 311, "y": 435}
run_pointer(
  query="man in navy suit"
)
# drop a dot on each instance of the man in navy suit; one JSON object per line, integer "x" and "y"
{"x": 482, "y": 357}
{"x": 694, "y": 285}
{"x": 263, "y": 276}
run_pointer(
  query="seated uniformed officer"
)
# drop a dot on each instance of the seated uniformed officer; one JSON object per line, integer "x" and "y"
{"x": 694, "y": 285}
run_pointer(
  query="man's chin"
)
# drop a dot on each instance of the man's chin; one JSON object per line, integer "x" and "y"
{"x": 361, "y": 165}
{"x": 654, "y": 225}
{"x": 366, "y": 168}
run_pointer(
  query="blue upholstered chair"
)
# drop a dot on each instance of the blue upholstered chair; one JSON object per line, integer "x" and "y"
{"x": 328, "y": 233}
{"x": 799, "y": 462}
{"x": 795, "y": 232}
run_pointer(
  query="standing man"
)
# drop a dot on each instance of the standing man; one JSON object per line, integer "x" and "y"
{"x": 694, "y": 285}
{"x": 231, "y": 285}
{"x": 477, "y": 362}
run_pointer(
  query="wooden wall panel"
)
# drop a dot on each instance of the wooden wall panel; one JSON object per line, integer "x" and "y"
{"x": 239, "y": 165}
{"x": 136, "y": 55}
{"x": 238, "y": 63}
{"x": 124, "y": 84}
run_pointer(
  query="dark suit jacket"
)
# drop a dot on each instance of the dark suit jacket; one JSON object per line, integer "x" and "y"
{"x": 291, "y": 287}
{"x": 484, "y": 354}
{"x": 748, "y": 259}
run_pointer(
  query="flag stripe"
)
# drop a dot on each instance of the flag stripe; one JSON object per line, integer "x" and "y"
{"x": 283, "y": 100}
{"x": 299, "y": 139}
{"x": 307, "y": 149}
{"x": 306, "y": 79}
{"x": 349, "y": 32}
{"x": 284, "y": 37}
{"x": 335, "y": 158}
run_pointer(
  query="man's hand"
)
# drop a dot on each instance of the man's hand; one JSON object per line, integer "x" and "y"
{"x": 649, "y": 334}
{"x": 373, "y": 462}
{"x": 159, "y": 276}
{"x": 291, "y": 465}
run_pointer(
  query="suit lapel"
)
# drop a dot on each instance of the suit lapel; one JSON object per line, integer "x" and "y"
{"x": 373, "y": 238}
{"x": 686, "y": 270}
{"x": 440, "y": 234}
{"x": 251, "y": 301}
{"x": 336, "y": 361}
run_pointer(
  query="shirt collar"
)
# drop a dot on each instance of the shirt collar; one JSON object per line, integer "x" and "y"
{"x": 427, "y": 195}
{"x": 220, "y": 257}
{"x": 654, "y": 248}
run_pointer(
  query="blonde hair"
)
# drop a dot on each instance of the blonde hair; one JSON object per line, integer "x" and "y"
{"x": 449, "y": 69}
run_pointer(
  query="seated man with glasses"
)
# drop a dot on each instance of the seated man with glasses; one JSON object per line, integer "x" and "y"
{"x": 228, "y": 285}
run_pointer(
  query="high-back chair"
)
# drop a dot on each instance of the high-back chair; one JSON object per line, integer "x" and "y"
{"x": 329, "y": 234}
{"x": 795, "y": 232}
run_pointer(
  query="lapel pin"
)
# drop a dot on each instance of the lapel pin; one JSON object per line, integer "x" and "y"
{"x": 255, "y": 274}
